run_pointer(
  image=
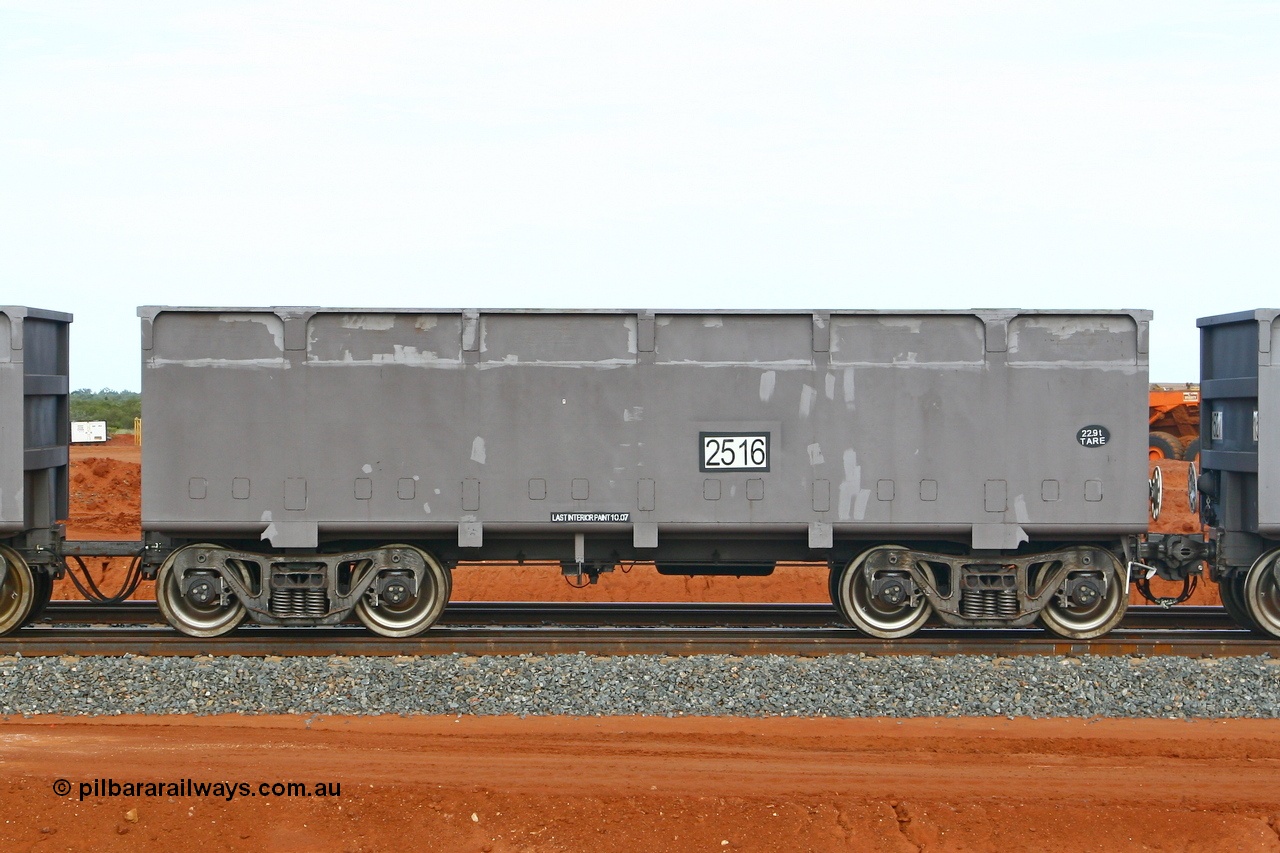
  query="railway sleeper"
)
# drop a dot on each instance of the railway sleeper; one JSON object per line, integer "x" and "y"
{"x": 891, "y": 591}
{"x": 206, "y": 590}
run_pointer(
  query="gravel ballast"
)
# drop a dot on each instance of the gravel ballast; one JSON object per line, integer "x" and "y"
{"x": 702, "y": 685}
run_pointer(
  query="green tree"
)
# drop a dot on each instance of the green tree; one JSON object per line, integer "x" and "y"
{"x": 117, "y": 408}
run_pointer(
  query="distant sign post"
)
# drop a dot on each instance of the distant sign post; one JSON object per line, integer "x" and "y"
{"x": 88, "y": 431}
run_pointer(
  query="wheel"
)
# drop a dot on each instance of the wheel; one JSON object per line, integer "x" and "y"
{"x": 1162, "y": 445}
{"x": 1261, "y": 594}
{"x": 187, "y": 616}
{"x": 1155, "y": 492}
{"x": 833, "y": 583}
{"x": 1191, "y": 452}
{"x": 18, "y": 590}
{"x": 1231, "y": 591}
{"x": 416, "y": 613}
{"x": 44, "y": 592}
{"x": 1193, "y": 490}
{"x": 1087, "y": 621}
{"x": 871, "y": 615}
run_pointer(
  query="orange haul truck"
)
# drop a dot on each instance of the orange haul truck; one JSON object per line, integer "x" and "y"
{"x": 1174, "y": 418}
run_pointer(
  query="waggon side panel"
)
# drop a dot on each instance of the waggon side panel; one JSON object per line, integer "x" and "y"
{"x": 1240, "y": 381}
{"x": 34, "y": 427}
{"x": 1269, "y": 428}
{"x": 421, "y": 420}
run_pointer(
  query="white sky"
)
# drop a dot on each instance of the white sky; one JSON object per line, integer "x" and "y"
{"x": 656, "y": 155}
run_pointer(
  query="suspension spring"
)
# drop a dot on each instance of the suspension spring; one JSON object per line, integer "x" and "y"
{"x": 988, "y": 603}
{"x": 282, "y": 603}
{"x": 316, "y": 603}
{"x": 288, "y": 603}
{"x": 299, "y": 603}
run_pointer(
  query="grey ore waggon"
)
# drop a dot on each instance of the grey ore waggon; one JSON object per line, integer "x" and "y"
{"x": 1239, "y": 490}
{"x": 35, "y": 432}
{"x": 979, "y": 468}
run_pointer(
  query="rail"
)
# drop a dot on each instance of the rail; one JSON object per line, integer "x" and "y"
{"x": 630, "y": 614}
{"x": 530, "y": 628}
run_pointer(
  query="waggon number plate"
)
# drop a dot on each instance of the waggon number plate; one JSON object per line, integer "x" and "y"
{"x": 734, "y": 451}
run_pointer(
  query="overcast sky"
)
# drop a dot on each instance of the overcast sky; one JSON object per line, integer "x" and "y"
{"x": 610, "y": 154}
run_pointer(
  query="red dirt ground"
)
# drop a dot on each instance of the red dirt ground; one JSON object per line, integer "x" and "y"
{"x": 619, "y": 784}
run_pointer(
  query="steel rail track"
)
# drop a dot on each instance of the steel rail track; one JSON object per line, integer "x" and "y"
{"x": 629, "y": 614}
{"x": 524, "y": 638}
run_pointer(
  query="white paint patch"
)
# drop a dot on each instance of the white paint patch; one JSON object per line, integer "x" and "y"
{"x": 437, "y": 491}
{"x": 910, "y": 324}
{"x": 371, "y": 322}
{"x": 266, "y": 515}
{"x": 807, "y": 395}
{"x": 426, "y": 507}
{"x": 416, "y": 478}
{"x": 269, "y": 533}
{"x": 768, "y": 380}
{"x": 635, "y": 413}
{"x": 227, "y": 363}
{"x": 368, "y": 469}
{"x": 1020, "y": 510}
{"x": 427, "y": 321}
{"x": 848, "y": 388}
{"x": 477, "y": 450}
{"x": 831, "y": 386}
{"x": 815, "y": 454}
{"x": 851, "y": 489}
{"x": 712, "y": 322}
{"x": 860, "y": 505}
{"x": 401, "y": 354}
{"x": 273, "y": 323}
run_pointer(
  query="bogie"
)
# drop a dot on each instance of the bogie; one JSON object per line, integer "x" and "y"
{"x": 891, "y": 591}
{"x": 207, "y": 589}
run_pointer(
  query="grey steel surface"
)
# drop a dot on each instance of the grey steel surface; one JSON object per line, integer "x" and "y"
{"x": 506, "y": 640}
{"x": 471, "y": 430}
{"x": 35, "y": 428}
{"x": 1240, "y": 391}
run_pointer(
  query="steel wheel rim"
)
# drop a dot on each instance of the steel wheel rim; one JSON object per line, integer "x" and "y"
{"x": 419, "y": 612}
{"x": 43, "y": 594}
{"x": 1231, "y": 591}
{"x": 17, "y": 590}
{"x": 1262, "y": 594}
{"x": 187, "y": 616}
{"x": 1096, "y": 619}
{"x": 868, "y": 616}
